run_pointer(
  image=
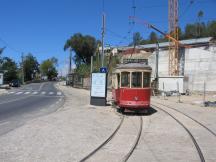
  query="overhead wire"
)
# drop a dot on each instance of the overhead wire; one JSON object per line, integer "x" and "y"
{"x": 9, "y": 46}
{"x": 187, "y": 8}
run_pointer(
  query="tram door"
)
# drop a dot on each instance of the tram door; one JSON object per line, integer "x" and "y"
{"x": 116, "y": 86}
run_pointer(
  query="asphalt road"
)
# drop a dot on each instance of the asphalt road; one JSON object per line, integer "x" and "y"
{"x": 28, "y": 102}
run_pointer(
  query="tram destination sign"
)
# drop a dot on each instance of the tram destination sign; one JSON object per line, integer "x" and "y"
{"x": 143, "y": 61}
{"x": 98, "y": 85}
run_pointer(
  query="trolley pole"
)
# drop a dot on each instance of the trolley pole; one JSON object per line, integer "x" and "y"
{"x": 102, "y": 40}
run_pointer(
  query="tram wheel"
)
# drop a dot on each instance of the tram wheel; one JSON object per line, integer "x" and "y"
{"x": 120, "y": 110}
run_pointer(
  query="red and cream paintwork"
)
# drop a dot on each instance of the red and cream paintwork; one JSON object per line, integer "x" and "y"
{"x": 130, "y": 97}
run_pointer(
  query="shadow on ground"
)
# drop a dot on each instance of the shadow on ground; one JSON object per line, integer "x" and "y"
{"x": 151, "y": 111}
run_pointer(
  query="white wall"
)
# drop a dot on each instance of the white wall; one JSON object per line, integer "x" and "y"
{"x": 199, "y": 66}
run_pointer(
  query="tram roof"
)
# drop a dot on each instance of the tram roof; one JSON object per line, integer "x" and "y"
{"x": 140, "y": 66}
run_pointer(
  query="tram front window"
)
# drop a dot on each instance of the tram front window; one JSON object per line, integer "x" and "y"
{"x": 146, "y": 79}
{"x": 125, "y": 79}
{"x": 137, "y": 79}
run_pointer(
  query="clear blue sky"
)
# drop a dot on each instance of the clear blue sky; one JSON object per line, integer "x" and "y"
{"x": 42, "y": 26}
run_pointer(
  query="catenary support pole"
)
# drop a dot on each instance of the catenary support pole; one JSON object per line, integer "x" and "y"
{"x": 23, "y": 71}
{"x": 70, "y": 63}
{"x": 156, "y": 67}
{"x": 204, "y": 93}
{"x": 91, "y": 64}
{"x": 102, "y": 41}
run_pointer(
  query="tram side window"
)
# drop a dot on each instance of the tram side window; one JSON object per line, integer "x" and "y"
{"x": 146, "y": 79}
{"x": 137, "y": 79}
{"x": 125, "y": 79}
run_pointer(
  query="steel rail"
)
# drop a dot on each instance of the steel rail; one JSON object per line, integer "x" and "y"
{"x": 104, "y": 143}
{"x": 208, "y": 129}
{"x": 126, "y": 157}
{"x": 202, "y": 159}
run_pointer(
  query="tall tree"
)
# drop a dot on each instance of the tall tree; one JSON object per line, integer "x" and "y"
{"x": 137, "y": 38}
{"x": 153, "y": 37}
{"x": 1, "y": 51}
{"x": 199, "y": 16}
{"x": 10, "y": 68}
{"x": 83, "y": 46}
{"x": 48, "y": 68}
{"x": 190, "y": 31}
{"x": 211, "y": 29}
{"x": 31, "y": 67}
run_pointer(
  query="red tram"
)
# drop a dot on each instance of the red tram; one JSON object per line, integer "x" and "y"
{"x": 131, "y": 86}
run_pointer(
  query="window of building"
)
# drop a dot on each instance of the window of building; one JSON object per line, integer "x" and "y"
{"x": 125, "y": 79}
{"x": 137, "y": 79}
{"x": 146, "y": 79}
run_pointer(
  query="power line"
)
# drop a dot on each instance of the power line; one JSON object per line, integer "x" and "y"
{"x": 152, "y": 6}
{"x": 187, "y": 8}
{"x": 9, "y": 46}
{"x": 116, "y": 34}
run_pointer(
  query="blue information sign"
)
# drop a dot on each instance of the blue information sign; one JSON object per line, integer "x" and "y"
{"x": 103, "y": 70}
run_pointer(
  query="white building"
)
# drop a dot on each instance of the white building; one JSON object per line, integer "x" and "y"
{"x": 197, "y": 63}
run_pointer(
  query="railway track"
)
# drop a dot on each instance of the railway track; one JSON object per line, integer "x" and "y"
{"x": 196, "y": 121}
{"x": 199, "y": 151}
{"x": 127, "y": 156}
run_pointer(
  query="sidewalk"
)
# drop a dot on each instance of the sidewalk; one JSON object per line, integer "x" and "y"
{"x": 66, "y": 135}
{"x": 2, "y": 91}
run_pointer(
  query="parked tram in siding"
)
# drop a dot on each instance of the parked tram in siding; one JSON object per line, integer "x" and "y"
{"x": 131, "y": 88}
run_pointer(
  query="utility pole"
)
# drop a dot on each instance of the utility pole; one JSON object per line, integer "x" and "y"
{"x": 156, "y": 67}
{"x": 102, "y": 41}
{"x": 23, "y": 68}
{"x": 70, "y": 62}
{"x": 91, "y": 64}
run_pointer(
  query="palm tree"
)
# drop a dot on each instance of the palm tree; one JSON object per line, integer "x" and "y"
{"x": 68, "y": 46}
{"x": 199, "y": 15}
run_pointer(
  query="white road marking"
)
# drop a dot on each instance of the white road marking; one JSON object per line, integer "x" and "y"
{"x": 4, "y": 123}
{"x": 41, "y": 86}
{"x": 59, "y": 93}
{"x": 20, "y": 98}
{"x": 35, "y": 93}
{"x": 43, "y": 93}
{"x": 51, "y": 93}
{"x": 11, "y": 92}
{"x": 26, "y": 92}
{"x": 19, "y": 93}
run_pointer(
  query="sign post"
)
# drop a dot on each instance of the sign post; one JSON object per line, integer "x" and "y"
{"x": 98, "y": 89}
{"x": 103, "y": 70}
